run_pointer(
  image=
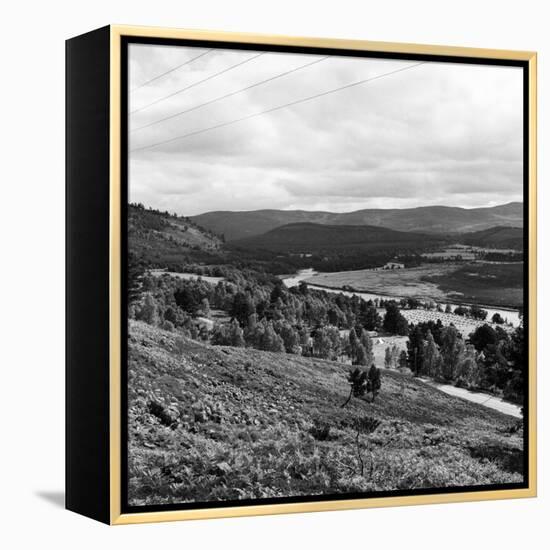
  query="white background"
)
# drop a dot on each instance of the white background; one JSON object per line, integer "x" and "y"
{"x": 32, "y": 299}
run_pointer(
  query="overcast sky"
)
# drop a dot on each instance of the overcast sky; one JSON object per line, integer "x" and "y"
{"x": 433, "y": 133}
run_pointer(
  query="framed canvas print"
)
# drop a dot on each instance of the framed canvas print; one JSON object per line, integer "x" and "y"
{"x": 300, "y": 274}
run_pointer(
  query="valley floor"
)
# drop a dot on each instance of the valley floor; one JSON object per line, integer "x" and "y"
{"x": 211, "y": 423}
{"x": 499, "y": 285}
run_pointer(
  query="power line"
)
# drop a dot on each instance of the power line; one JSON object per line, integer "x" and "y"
{"x": 197, "y": 83}
{"x": 273, "y": 109}
{"x": 147, "y": 82}
{"x": 271, "y": 79}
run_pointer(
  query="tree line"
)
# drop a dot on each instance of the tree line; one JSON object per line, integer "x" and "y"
{"x": 489, "y": 359}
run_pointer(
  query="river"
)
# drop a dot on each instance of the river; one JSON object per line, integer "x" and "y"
{"x": 511, "y": 315}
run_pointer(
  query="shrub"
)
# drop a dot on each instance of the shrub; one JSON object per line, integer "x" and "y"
{"x": 179, "y": 344}
{"x": 165, "y": 416}
{"x": 167, "y": 325}
{"x": 320, "y": 430}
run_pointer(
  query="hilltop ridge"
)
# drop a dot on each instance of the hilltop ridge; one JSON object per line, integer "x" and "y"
{"x": 423, "y": 219}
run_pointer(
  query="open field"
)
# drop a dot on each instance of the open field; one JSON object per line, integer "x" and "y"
{"x": 494, "y": 284}
{"x": 484, "y": 284}
{"x": 392, "y": 282}
{"x": 221, "y": 423}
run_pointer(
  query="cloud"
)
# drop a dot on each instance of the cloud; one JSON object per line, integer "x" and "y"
{"x": 437, "y": 133}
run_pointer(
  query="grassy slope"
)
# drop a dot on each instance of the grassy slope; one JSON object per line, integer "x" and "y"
{"x": 236, "y": 423}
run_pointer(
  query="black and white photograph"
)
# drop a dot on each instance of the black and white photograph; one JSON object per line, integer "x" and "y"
{"x": 325, "y": 275}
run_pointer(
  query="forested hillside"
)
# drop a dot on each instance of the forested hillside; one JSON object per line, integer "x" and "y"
{"x": 162, "y": 238}
{"x": 318, "y": 238}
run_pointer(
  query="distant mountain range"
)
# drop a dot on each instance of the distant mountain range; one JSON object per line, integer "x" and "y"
{"x": 424, "y": 219}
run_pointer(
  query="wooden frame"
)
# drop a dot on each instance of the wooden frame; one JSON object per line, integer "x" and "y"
{"x": 95, "y": 263}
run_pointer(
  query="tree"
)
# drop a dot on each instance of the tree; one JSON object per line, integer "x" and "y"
{"x": 366, "y": 340}
{"x": 353, "y": 342}
{"x": 235, "y": 334}
{"x": 468, "y": 374}
{"x": 431, "y": 363}
{"x": 302, "y": 288}
{"x": 357, "y": 380}
{"x": 290, "y": 336}
{"x": 415, "y": 350}
{"x": 369, "y": 316}
{"x": 305, "y": 341}
{"x": 326, "y": 342}
{"x": 148, "y": 312}
{"x": 497, "y": 319}
{"x": 242, "y": 307}
{"x": 374, "y": 381}
{"x": 461, "y": 310}
{"x": 478, "y": 313}
{"x": 219, "y": 336}
{"x": 270, "y": 340}
{"x": 483, "y": 336}
{"x": 388, "y": 360}
{"x": 495, "y": 368}
{"x": 394, "y": 322}
{"x": 278, "y": 292}
{"x": 360, "y": 357}
{"x": 452, "y": 351}
{"x": 187, "y": 300}
{"x": 171, "y": 314}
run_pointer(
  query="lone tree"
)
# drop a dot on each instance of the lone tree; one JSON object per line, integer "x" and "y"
{"x": 357, "y": 379}
{"x": 362, "y": 382}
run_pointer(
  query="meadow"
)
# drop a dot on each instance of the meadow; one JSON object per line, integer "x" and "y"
{"x": 499, "y": 284}
{"x": 479, "y": 283}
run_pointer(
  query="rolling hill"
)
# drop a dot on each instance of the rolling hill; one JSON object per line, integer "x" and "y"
{"x": 426, "y": 219}
{"x": 496, "y": 237}
{"x": 315, "y": 238}
{"x": 227, "y": 423}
